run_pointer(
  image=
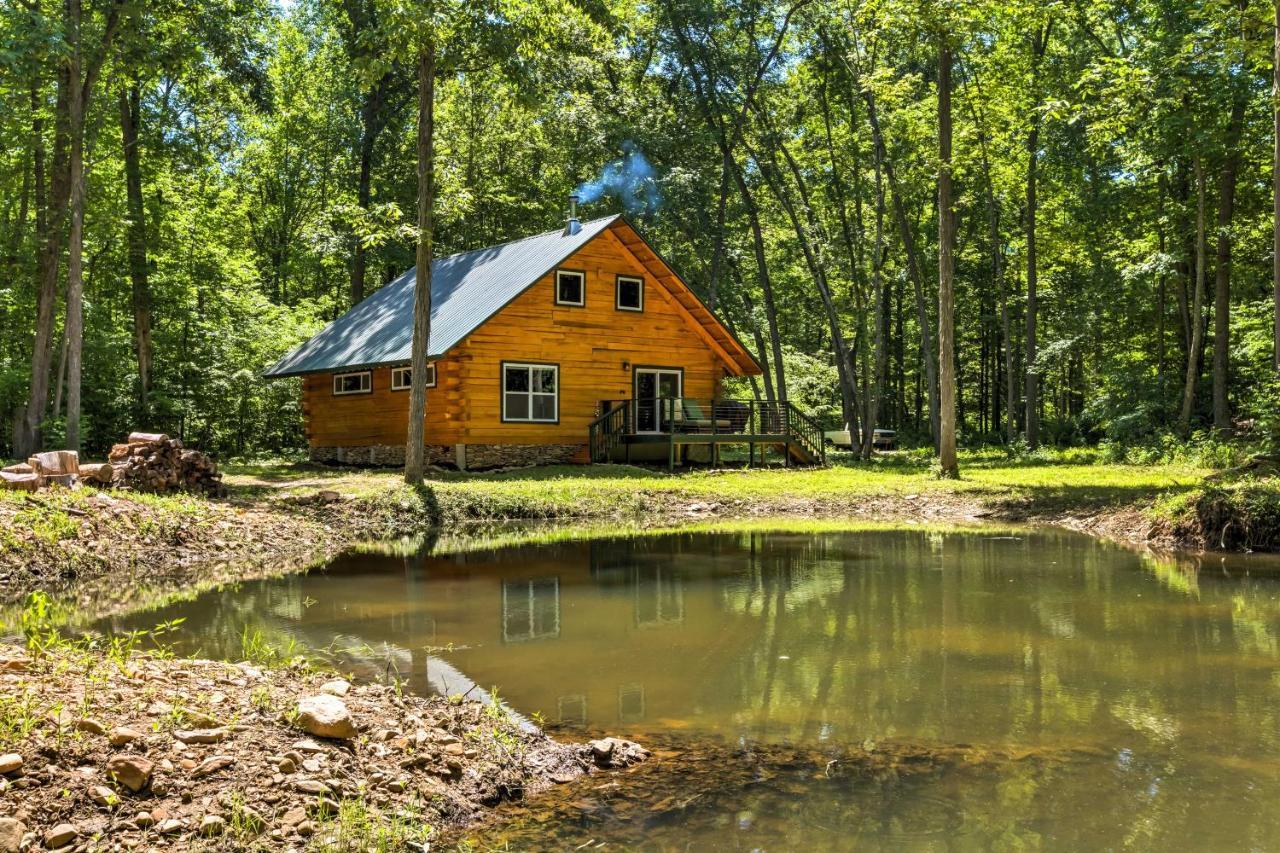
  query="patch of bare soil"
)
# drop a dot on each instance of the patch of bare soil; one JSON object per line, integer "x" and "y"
{"x": 106, "y": 751}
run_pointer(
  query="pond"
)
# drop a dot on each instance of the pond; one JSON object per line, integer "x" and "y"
{"x": 896, "y": 689}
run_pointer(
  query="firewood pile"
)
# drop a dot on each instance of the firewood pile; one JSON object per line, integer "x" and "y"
{"x": 153, "y": 462}
{"x": 146, "y": 462}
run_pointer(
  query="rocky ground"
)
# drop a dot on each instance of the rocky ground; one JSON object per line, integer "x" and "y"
{"x": 104, "y": 748}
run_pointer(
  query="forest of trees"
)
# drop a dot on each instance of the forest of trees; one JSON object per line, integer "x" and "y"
{"x": 189, "y": 188}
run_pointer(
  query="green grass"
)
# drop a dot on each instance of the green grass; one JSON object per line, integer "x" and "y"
{"x": 615, "y": 490}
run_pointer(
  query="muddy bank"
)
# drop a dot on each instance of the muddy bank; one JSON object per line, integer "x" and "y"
{"x": 116, "y": 549}
{"x": 102, "y": 748}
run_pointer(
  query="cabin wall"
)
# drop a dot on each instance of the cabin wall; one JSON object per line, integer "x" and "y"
{"x": 595, "y": 346}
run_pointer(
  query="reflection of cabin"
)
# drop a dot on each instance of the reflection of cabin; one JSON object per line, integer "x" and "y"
{"x": 571, "y": 346}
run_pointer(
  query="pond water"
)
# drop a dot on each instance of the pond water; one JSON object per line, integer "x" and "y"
{"x": 1040, "y": 689}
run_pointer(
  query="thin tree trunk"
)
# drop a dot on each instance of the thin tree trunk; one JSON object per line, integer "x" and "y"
{"x": 913, "y": 266}
{"x": 880, "y": 294}
{"x": 415, "y": 450}
{"x": 136, "y": 233}
{"x": 1040, "y": 44}
{"x": 75, "y": 239}
{"x": 946, "y": 273}
{"x": 717, "y": 251}
{"x": 1222, "y": 272}
{"x": 1162, "y": 297}
{"x": 26, "y": 434}
{"x": 1197, "y": 311}
{"x": 1275, "y": 185}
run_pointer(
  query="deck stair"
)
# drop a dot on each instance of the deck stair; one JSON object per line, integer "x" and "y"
{"x": 682, "y": 422}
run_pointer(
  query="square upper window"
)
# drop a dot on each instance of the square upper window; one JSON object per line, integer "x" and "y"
{"x": 352, "y": 383}
{"x": 630, "y": 293}
{"x": 402, "y": 377}
{"x": 571, "y": 288}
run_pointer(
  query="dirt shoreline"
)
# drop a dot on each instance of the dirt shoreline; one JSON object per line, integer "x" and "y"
{"x": 110, "y": 749}
{"x": 117, "y": 551}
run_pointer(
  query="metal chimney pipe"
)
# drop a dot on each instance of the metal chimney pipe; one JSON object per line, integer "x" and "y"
{"x": 573, "y": 226}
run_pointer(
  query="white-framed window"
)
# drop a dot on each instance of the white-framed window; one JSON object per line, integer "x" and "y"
{"x": 530, "y": 392}
{"x": 571, "y": 287}
{"x": 401, "y": 377}
{"x": 572, "y": 709}
{"x": 530, "y": 610}
{"x": 352, "y": 383}
{"x": 630, "y": 294}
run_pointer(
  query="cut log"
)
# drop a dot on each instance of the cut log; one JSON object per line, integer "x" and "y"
{"x": 19, "y": 468}
{"x": 147, "y": 438}
{"x": 97, "y": 473}
{"x": 19, "y": 482}
{"x": 57, "y": 462}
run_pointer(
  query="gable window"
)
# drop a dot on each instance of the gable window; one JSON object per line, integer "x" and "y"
{"x": 630, "y": 293}
{"x": 530, "y": 392}
{"x": 401, "y": 377}
{"x": 571, "y": 288}
{"x": 352, "y": 383}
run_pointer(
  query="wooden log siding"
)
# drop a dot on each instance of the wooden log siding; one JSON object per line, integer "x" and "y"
{"x": 590, "y": 344}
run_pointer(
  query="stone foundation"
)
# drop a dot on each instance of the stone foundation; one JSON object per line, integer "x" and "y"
{"x": 480, "y": 456}
{"x": 472, "y": 456}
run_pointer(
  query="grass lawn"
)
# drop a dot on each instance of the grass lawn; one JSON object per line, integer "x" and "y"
{"x": 1060, "y": 480}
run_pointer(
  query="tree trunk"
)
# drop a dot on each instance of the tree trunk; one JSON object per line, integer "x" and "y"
{"x": 136, "y": 234}
{"x": 913, "y": 266}
{"x": 26, "y": 433}
{"x": 1032, "y": 393}
{"x": 415, "y": 449}
{"x": 880, "y": 293}
{"x": 75, "y": 239}
{"x": 1275, "y": 185}
{"x": 1222, "y": 272}
{"x": 1197, "y": 311}
{"x": 946, "y": 274}
{"x": 766, "y": 284}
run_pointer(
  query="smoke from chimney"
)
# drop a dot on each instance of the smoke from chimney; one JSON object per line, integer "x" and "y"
{"x": 630, "y": 179}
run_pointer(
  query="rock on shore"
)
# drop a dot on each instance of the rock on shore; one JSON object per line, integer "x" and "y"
{"x": 189, "y": 754}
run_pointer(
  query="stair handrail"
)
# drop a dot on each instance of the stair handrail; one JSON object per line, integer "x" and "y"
{"x": 603, "y": 432}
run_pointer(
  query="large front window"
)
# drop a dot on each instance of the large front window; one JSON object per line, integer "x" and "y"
{"x": 530, "y": 392}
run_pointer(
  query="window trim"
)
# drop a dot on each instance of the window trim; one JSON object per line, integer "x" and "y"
{"x": 368, "y": 383}
{"x": 502, "y": 390}
{"x": 431, "y": 376}
{"x": 617, "y": 293}
{"x": 582, "y": 274}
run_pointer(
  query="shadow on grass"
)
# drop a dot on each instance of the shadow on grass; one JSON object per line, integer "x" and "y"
{"x": 1054, "y": 498}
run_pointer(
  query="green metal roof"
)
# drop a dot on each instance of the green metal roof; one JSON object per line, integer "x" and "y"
{"x": 466, "y": 289}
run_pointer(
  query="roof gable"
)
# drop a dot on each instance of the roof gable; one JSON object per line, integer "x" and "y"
{"x": 466, "y": 289}
{"x": 470, "y": 287}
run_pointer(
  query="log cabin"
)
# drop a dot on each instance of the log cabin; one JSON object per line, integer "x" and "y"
{"x": 576, "y": 345}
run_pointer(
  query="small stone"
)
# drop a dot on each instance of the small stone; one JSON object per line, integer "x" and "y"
{"x": 396, "y": 786}
{"x": 132, "y": 771}
{"x": 295, "y": 756}
{"x": 15, "y": 663}
{"x": 305, "y": 746}
{"x": 294, "y": 816}
{"x": 143, "y": 820}
{"x": 103, "y": 796}
{"x": 310, "y": 786}
{"x": 306, "y": 829}
{"x": 212, "y": 764}
{"x": 169, "y": 827}
{"x": 189, "y": 736}
{"x": 10, "y": 763}
{"x": 311, "y": 765}
{"x": 92, "y": 726}
{"x": 286, "y": 766}
{"x": 123, "y": 736}
{"x": 454, "y": 749}
{"x": 11, "y": 832}
{"x": 213, "y": 825}
{"x": 337, "y": 687}
{"x": 60, "y": 836}
{"x": 325, "y": 716}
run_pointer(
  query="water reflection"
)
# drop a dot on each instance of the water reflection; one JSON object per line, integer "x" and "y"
{"x": 1165, "y": 670}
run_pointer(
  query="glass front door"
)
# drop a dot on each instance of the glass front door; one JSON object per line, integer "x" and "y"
{"x": 653, "y": 388}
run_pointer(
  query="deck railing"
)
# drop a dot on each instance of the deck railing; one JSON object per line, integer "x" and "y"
{"x": 721, "y": 420}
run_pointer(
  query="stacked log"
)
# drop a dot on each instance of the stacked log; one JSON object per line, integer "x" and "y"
{"x": 153, "y": 462}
